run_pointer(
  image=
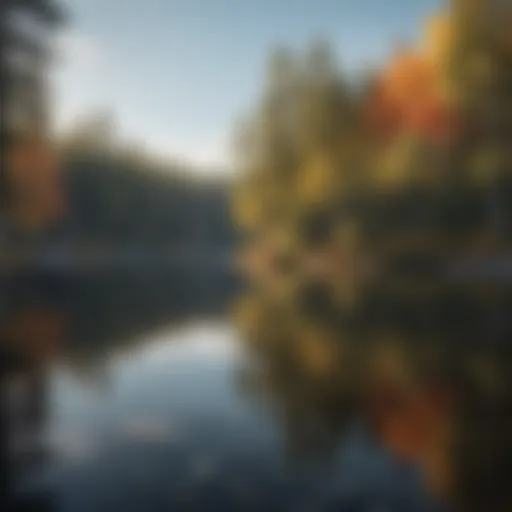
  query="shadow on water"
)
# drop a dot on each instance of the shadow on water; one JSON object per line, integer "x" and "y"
{"x": 402, "y": 403}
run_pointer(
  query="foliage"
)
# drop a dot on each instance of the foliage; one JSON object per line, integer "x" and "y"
{"x": 421, "y": 150}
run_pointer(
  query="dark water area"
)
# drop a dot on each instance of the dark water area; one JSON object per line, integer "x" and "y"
{"x": 179, "y": 390}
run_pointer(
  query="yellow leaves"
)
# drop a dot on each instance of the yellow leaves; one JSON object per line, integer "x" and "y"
{"x": 317, "y": 180}
{"x": 438, "y": 39}
{"x": 247, "y": 207}
{"x": 410, "y": 160}
{"x": 398, "y": 163}
{"x": 254, "y": 199}
{"x": 437, "y": 48}
{"x": 315, "y": 350}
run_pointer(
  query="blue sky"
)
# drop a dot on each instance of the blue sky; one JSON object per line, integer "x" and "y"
{"x": 177, "y": 74}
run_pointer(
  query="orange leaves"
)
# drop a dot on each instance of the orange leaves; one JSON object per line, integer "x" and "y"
{"x": 409, "y": 77}
{"x": 411, "y": 93}
{"x": 382, "y": 114}
{"x": 35, "y": 184}
{"x": 407, "y": 98}
{"x": 437, "y": 122}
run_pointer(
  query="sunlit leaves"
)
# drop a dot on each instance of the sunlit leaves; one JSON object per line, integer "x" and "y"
{"x": 316, "y": 180}
{"x": 429, "y": 126}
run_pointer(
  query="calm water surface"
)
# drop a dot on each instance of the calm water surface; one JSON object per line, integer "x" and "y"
{"x": 165, "y": 425}
{"x": 156, "y": 399}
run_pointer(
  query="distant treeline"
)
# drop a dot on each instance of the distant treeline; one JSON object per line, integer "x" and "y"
{"x": 111, "y": 201}
{"x": 116, "y": 194}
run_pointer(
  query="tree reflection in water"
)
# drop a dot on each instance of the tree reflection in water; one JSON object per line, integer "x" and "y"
{"x": 426, "y": 369}
{"x": 32, "y": 329}
{"x": 419, "y": 366}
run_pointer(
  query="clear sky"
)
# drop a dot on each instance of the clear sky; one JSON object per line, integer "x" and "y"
{"x": 178, "y": 73}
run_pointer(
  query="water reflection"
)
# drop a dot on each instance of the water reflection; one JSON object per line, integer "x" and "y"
{"x": 60, "y": 336}
{"x": 426, "y": 369}
{"x": 31, "y": 331}
{"x": 140, "y": 393}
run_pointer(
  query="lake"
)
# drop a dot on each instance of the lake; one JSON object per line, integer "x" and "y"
{"x": 154, "y": 395}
